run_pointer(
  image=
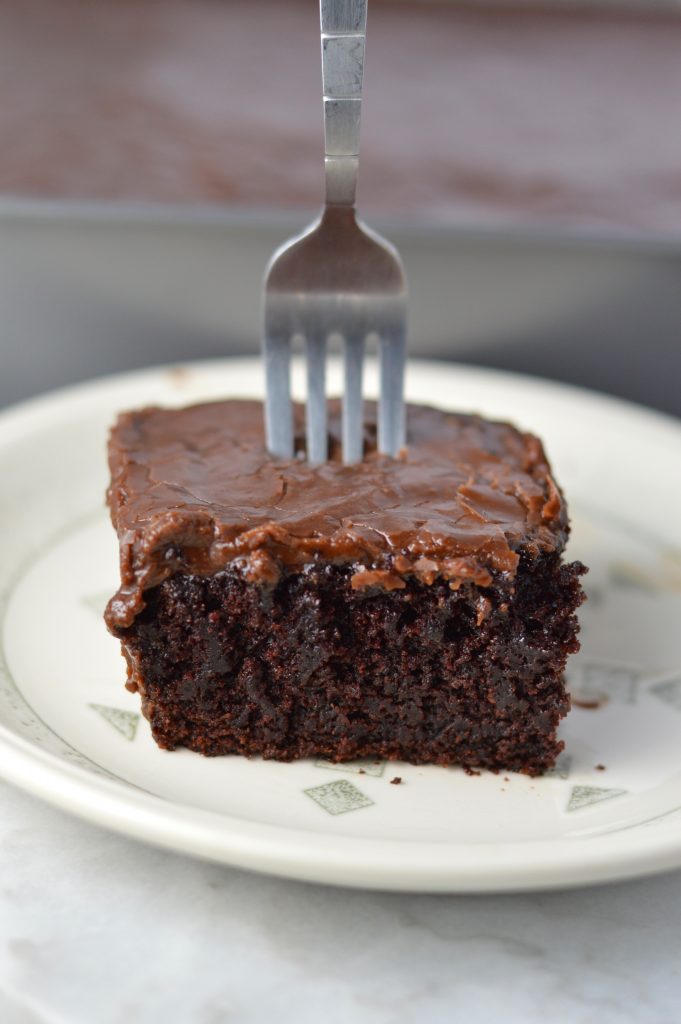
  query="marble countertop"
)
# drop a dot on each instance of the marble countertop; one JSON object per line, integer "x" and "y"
{"x": 97, "y": 929}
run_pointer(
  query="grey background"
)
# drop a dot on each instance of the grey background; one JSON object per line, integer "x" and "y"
{"x": 90, "y": 290}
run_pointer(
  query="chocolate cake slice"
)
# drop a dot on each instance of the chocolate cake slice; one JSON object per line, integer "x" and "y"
{"x": 414, "y": 608}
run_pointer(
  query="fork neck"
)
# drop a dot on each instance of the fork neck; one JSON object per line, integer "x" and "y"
{"x": 341, "y": 180}
{"x": 343, "y": 32}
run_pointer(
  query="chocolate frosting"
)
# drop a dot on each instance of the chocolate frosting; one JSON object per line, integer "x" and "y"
{"x": 194, "y": 490}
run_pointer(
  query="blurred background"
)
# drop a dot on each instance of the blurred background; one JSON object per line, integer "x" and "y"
{"x": 526, "y": 159}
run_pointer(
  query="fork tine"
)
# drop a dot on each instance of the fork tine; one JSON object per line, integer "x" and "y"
{"x": 353, "y": 427}
{"x": 391, "y": 427}
{"x": 278, "y": 409}
{"x": 316, "y": 425}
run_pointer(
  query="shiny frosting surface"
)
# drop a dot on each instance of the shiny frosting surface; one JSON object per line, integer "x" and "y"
{"x": 194, "y": 490}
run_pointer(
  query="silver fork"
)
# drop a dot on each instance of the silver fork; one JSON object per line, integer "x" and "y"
{"x": 338, "y": 277}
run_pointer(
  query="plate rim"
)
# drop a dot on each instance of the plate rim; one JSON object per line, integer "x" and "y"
{"x": 15, "y": 415}
{"x": 343, "y": 861}
{"x": 397, "y": 865}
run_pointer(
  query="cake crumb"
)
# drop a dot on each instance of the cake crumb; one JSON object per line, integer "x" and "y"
{"x": 178, "y": 376}
{"x": 471, "y": 771}
{"x": 600, "y": 767}
{"x": 590, "y": 703}
{"x": 396, "y": 781}
{"x": 361, "y": 771}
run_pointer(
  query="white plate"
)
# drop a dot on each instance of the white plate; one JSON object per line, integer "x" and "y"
{"x": 71, "y": 733}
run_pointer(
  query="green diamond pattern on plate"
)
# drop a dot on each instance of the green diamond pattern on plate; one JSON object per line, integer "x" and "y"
{"x": 585, "y": 796}
{"x": 125, "y": 722}
{"x": 338, "y": 797}
{"x": 363, "y": 767}
{"x": 96, "y": 602}
{"x": 561, "y": 768}
{"x": 601, "y": 680}
{"x": 669, "y": 691}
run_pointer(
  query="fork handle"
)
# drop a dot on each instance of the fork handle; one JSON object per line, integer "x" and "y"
{"x": 343, "y": 28}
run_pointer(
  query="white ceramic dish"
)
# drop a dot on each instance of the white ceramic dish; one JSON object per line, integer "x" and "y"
{"x": 71, "y": 733}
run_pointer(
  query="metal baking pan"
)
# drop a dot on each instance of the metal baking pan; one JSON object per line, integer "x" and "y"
{"x": 88, "y": 289}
